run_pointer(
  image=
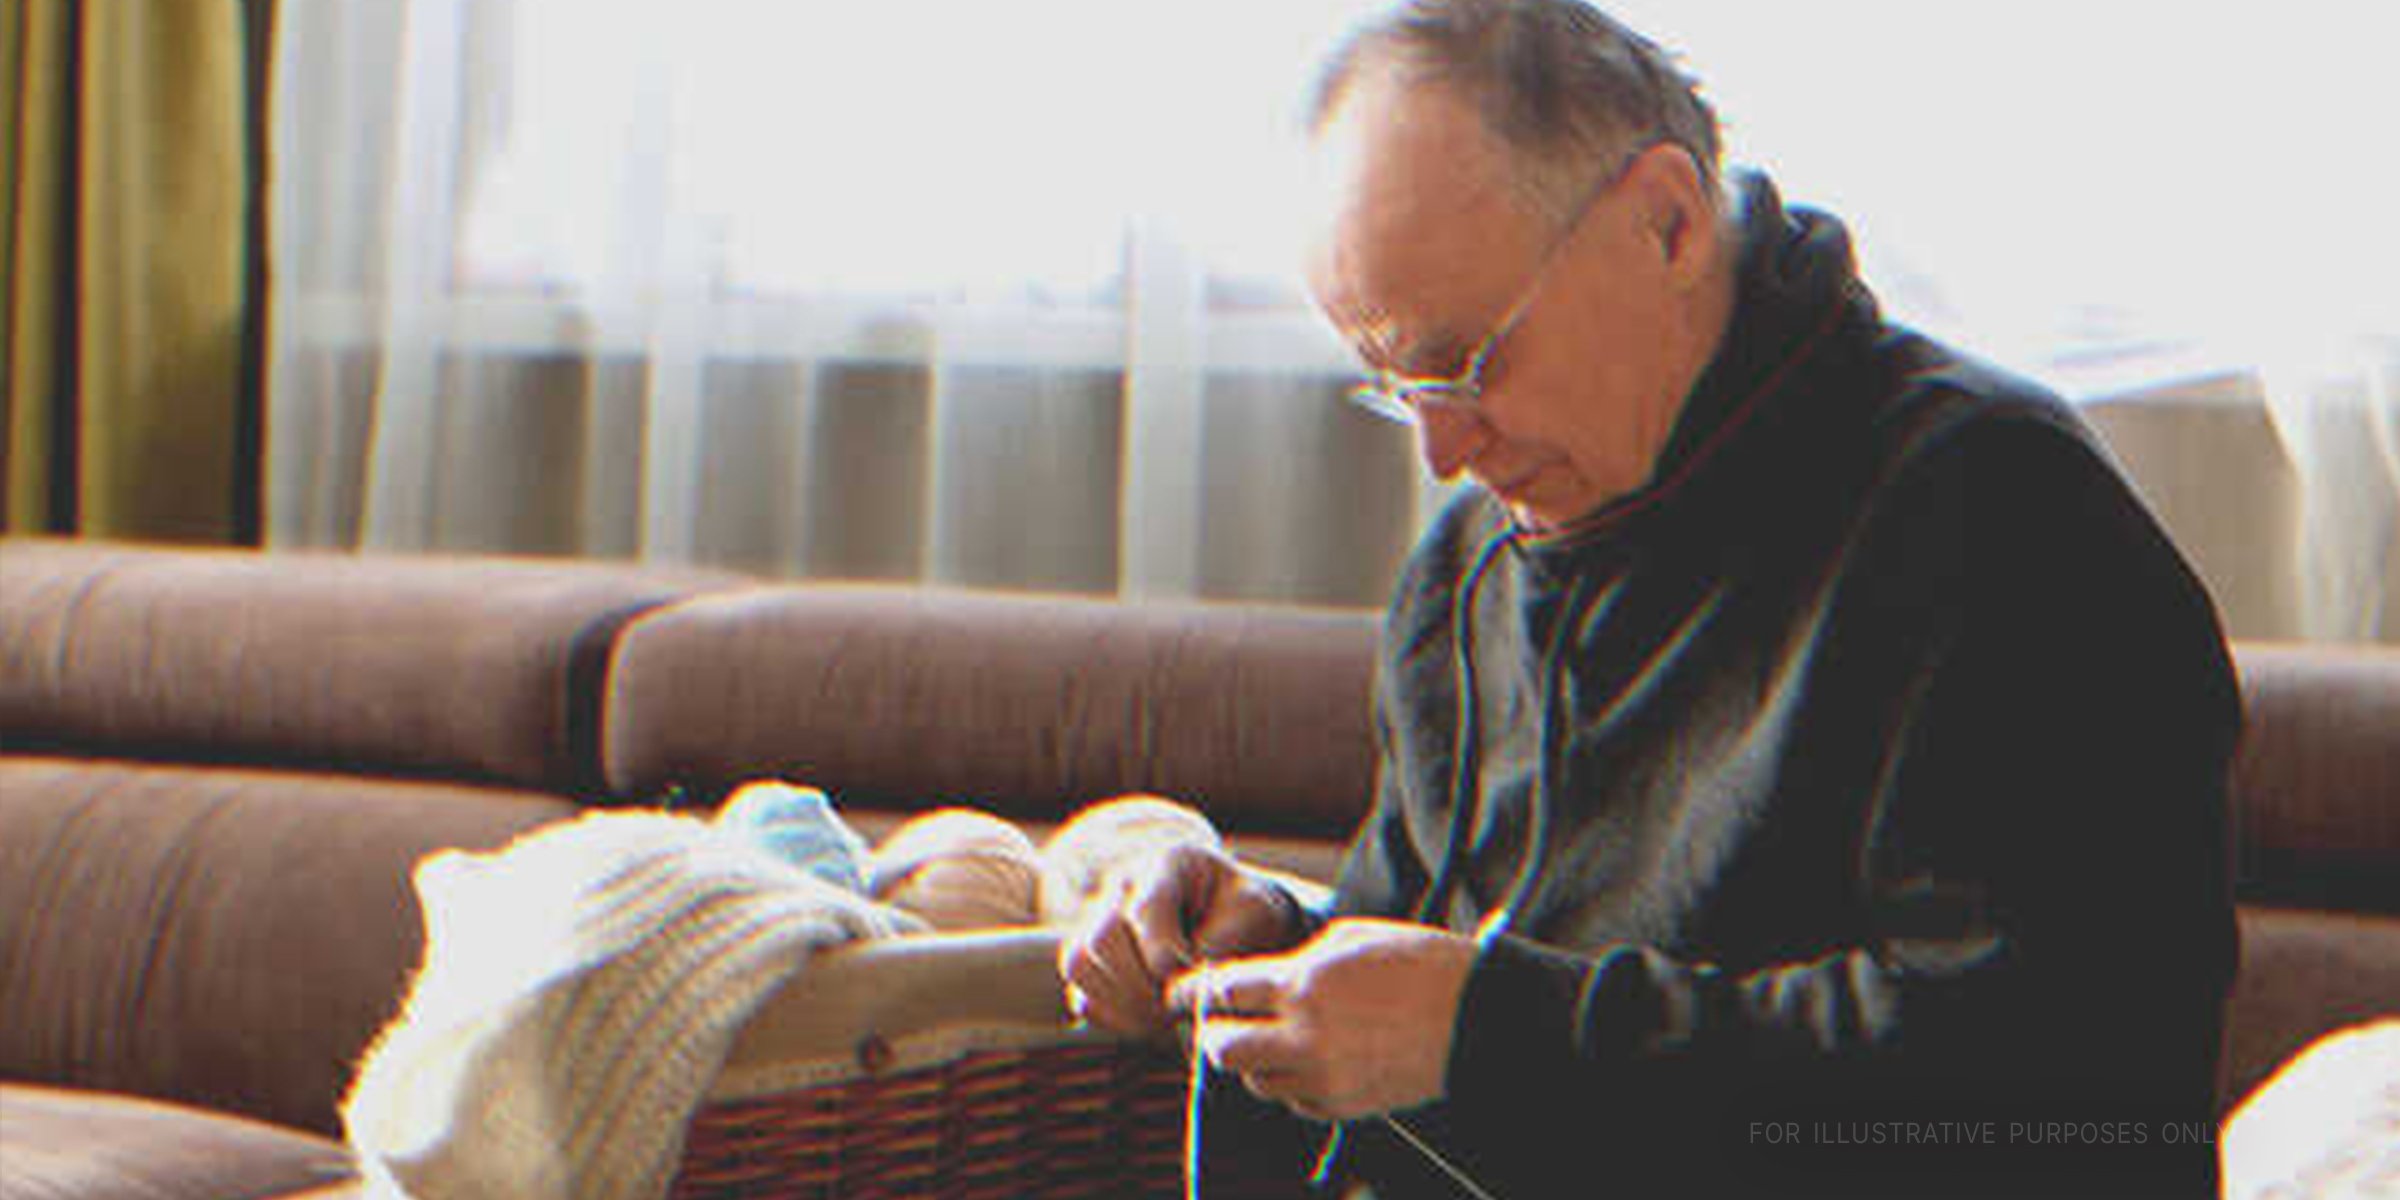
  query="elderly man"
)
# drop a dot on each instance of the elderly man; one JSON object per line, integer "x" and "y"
{"x": 1802, "y": 756}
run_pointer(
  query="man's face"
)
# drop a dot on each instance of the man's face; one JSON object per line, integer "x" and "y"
{"x": 1422, "y": 250}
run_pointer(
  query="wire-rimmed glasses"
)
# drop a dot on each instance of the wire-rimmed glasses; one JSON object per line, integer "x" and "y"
{"x": 1400, "y": 397}
{"x": 1403, "y": 398}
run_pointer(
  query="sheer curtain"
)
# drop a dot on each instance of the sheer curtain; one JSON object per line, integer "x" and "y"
{"x": 960, "y": 293}
{"x": 1001, "y": 294}
{"x": 2339, "y": 415}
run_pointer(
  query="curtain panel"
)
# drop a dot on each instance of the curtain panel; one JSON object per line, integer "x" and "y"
{"x": 1161, "y": 432}
{"x": 126, "y": 268}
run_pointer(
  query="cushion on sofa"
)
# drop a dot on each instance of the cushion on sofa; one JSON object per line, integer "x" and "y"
{"x": 66, "y": 1144}
{"x": 483, "y": 668}
{"x": 221, "y": 937}
{"x": 2305, "y": 974}
{"x": 2316, "y": 793}
{"x": 1031, "y": 707}
{"x": 2317, "y": 781}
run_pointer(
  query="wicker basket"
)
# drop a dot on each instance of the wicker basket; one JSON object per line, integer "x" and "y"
{"x": 939, "y": 1065}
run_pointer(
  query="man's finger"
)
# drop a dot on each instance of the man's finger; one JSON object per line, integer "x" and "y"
{"x": 1118, "y": 990}
{"x": 1271, "y": 1085}
{"x": 1159, "y": 913}
{"x": 1245, "y": 918}
{"x": 1100, "y": 1012}
{"x": 1130, "y": 982}
{"x": 1080, "y": 956}
{"x": 1243, "y": 1046}
{"x": 1239, "y": 988}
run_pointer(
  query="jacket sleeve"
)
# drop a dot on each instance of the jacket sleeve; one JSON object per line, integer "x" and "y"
{"x": 2047, "y": 929}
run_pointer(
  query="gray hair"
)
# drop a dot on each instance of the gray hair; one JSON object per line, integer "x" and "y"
{"x": 1569, "y": 92}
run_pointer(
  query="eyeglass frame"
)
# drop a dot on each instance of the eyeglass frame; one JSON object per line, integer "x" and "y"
{"x": 1402, "y": 398}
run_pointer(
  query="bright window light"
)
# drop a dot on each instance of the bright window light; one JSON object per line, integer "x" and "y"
{"x": 2039, "y": 179}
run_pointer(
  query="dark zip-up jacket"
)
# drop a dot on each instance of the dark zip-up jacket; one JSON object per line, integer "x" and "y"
{"x": 1845, "y": 810}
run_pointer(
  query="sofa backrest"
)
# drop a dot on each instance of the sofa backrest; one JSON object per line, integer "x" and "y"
{"x": 911, "y": 698}
{"x": 485, "y": 669}
{"x": 2317, "y": 782}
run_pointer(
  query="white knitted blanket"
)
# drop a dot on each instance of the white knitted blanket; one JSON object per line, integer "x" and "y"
{"x": 2326, "y": 1127}
{"x": 579, "y": 991}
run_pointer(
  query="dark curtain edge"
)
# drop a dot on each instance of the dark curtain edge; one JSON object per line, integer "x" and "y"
{"x": 66, "y": 441}
{"x": 250, "y": 395}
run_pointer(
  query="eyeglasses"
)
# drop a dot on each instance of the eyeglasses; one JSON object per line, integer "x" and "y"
{"x": 1404, "y": 398}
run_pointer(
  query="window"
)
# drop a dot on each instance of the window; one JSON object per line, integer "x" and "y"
{"x": 799, "y": 286}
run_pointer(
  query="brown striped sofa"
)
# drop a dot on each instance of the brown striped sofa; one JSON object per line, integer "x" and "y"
{"x": 219, "y": 768}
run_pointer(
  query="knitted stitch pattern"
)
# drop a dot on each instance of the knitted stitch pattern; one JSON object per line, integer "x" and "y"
{"x": 580, "y": 988}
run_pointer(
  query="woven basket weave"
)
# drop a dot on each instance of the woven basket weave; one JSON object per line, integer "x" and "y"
{"x": 940, "y": 1065}
{"x": 1064, "y": 1120}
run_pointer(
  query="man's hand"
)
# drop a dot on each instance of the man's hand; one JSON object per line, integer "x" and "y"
{"x": 1356, "y": 1022}
{"x": 1187, "y": 906}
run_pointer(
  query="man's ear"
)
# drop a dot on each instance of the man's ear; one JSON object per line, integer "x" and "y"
{"x": 1677, "y": 211}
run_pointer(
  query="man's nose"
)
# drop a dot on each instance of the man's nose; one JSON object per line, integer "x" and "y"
{"x": 1448, "y": 439}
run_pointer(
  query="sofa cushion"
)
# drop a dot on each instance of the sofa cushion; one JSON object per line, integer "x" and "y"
{"x": 2317, "y": 782}
{"x": 480, "y": 668}
{"x": 1030, "y": 707}
{"x": 2303, "y": 975}
{"x": 221, "y": 937}
{"x": 95, "y": 1146}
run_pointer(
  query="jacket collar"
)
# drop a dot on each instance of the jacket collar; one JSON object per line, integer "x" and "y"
{"x": 1796, "y": 278}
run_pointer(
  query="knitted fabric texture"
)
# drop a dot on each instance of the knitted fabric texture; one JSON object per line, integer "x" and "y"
{"x": 579, "y": 990}
{"x": 2326, "y": 1127}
